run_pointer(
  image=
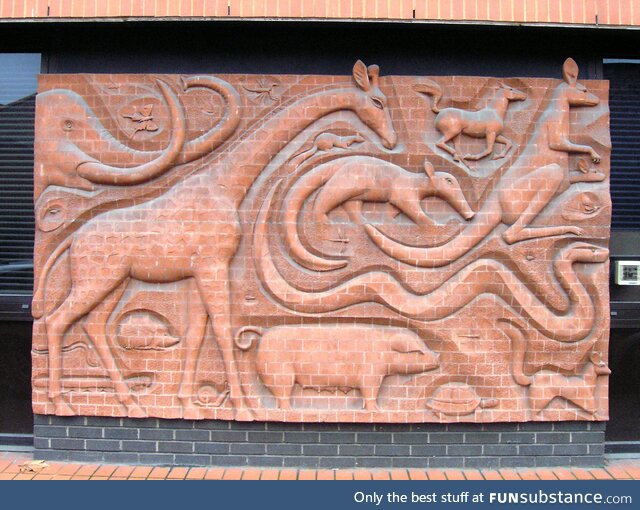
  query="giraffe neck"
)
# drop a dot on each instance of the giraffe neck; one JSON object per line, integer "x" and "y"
{"x": 237, "y": 172}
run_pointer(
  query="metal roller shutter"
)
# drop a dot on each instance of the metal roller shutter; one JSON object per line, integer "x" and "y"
{"x": 18, "y": 83}
{"x": 624, "y": 103}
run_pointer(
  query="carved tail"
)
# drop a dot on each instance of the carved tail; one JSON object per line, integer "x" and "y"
{"x": 310, "y": 151}
{"x": 430, "y": 88}
{"x": 247, "y": 343}
{"x": 177, "y": 152}
{"x": 213, "y": 138}
{"x": 516, "y": 333}
{"x": 438, "y": 256}
{"x": 479, "y": 277}
{"x": 37, "y": 307}
{"x": 101, "y": 173}
{"x": 292, "y": 206}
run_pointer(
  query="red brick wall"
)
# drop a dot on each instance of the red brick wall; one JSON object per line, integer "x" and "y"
{"x": 563, "y": 12}
{"x": 318, "y": 248}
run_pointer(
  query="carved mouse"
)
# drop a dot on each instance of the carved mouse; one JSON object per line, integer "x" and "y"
{"x": 335, "y": 356}
{"x": 325, "y": 142}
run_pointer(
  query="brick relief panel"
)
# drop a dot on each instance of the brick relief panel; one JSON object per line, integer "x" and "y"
{"x": 316, "y": 248}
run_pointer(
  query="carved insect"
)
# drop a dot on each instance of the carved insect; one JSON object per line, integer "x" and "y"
{"x": 67, "y": 164}
{"x": 263, "y": 92}
{"x": 142, "y": 119}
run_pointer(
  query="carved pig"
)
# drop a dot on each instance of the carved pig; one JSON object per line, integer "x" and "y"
{"x": 336, "y": 356}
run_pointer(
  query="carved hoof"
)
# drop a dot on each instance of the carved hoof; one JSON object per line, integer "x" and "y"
{"x": 499, "y": 156}
{"x": 62, "y": 408}
{"x": 135, "y": 411}
{"x": 576, "y": 231}
{"x": 244, "y": 414}
{"x": 371, "y": 405}
{"x": 191, "y": 412}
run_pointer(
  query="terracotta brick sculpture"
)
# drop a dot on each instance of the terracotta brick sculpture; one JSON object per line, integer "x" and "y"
{"x": 310, "y": 248}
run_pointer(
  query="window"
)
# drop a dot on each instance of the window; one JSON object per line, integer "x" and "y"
{"x": 18, "y": 85}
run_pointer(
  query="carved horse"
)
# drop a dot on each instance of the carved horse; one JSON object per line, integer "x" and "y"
{"x": 539, "y": 174}
{"x": 191, "y": 231}
{"x": 487, "y": 123}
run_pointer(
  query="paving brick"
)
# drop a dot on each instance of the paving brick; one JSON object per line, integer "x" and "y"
{"x": 617, "y": 472}
{"x": 343, "y": 474}
{"x": 232, "y": 474}
{"x": 509, "y": 474}
{"x": 379, "y": 475}
{"x": 434, "y": 474}
{"x": 214, "y": 474}
{"x": 270, "y": 474}
{"x": 159, "y": 473}
{"x": 307, "y": 474}
{"x": 417, "y": 474}
{"x": 288, "y": 474}
{"x": 454, "y": 474}
{"x": 490, "y": 474}
{"x": 528, "y": 474}
{"x": 251, "y": 474}
{"x": 582, "y": 474}
{"x": 125, "y": 471}
{"x": 473, "y": 474}
{"x": 103, "y": 471}
{"x": 139, "y": 472}
{"x": 546, "y": 474}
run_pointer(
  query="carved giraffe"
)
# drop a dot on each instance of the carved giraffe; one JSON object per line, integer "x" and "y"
{"x": 191, "y": 231}
{"x": 536, "y": 177}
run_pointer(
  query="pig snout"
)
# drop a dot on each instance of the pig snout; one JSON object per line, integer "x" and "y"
{"x": 413, "y": 362}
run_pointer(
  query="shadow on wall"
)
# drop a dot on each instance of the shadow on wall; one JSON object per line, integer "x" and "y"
{"x": 15, "y": 378}
{"x": 624, "y": 386}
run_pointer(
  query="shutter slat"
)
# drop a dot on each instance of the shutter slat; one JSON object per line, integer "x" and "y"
{"x": 17, "y": 227}
{"x": 624, "y": 105}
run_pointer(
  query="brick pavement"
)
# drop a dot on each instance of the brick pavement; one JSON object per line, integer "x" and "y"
{"x": 11, "y": 468}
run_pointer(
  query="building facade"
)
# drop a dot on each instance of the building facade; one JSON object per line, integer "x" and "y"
{"x": 529, "y": 386}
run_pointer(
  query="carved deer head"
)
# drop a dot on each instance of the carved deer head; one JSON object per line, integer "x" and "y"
{"x": 371, "y": 105}
{"x": 575, "y": 93}
{"x": 511, "y": 93}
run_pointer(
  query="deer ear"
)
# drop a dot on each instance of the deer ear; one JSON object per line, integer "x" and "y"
{"x": 428, "y": 169}
{"x": 570, "y": 71}
{"x": 374, "y": 73}
{"x": 361, "y": 76}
